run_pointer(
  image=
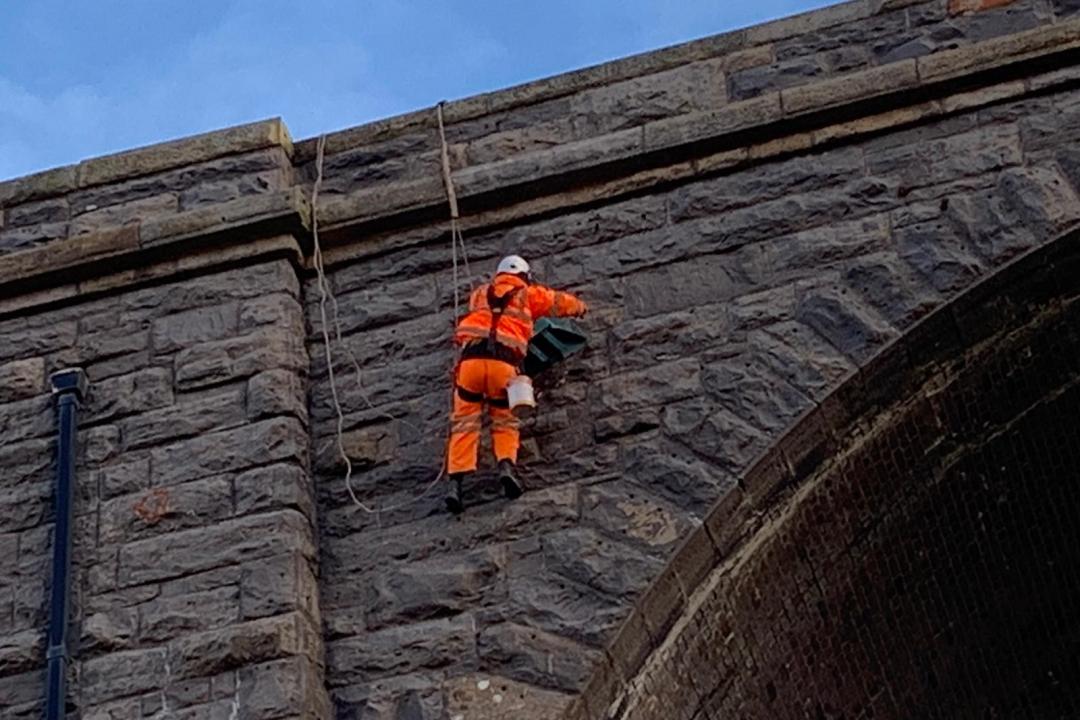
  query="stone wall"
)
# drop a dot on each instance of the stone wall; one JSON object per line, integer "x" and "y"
{"x": 194, "y": 548}
{"x": 924, "y": 564}
{"x": 723, "y": 310}
{"x": 751, "y": 217}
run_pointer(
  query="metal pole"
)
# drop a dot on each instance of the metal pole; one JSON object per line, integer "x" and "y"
{"x": 69, "y": 389}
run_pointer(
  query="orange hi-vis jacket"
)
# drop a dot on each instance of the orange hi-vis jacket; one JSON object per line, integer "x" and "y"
{"x": 516, "y": 303}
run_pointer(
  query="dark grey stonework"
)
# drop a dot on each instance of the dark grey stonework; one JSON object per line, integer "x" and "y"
{"x": 751, "y": 217}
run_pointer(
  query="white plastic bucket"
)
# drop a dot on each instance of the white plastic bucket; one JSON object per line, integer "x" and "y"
{"x": 520, "y": 393}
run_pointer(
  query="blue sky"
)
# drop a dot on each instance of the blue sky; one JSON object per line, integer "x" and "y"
{"x": 81, "y": 78}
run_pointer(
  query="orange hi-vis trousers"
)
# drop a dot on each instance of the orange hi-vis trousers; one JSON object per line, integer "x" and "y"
{"x": 480, "y": 379}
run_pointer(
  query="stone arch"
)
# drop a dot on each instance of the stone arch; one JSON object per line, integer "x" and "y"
{"x": 907, "y": 549}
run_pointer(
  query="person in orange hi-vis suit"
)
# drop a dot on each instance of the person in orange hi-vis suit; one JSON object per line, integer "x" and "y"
{"x": 494, "y": 337}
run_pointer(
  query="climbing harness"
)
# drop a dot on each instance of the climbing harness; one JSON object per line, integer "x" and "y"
{"x": 562, "y": 340}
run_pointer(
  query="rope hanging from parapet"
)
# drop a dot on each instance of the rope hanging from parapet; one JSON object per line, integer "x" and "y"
{"x": 457, "y": 241}
{"x": 456, "y": 238}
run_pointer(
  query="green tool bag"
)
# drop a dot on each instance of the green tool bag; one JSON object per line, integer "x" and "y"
{"x": 553, "y": 340}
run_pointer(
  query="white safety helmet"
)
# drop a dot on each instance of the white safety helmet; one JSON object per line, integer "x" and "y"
{"x": 513, "y": 264}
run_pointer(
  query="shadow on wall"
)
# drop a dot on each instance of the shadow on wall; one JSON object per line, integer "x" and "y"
{"x": 910, "y": 550}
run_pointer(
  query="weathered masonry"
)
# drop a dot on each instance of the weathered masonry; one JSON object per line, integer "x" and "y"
{"x": 820, "y": 459}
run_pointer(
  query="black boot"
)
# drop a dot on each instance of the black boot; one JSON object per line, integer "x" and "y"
{"x": 511, "y": 485}
{"x": 453, "y": 495}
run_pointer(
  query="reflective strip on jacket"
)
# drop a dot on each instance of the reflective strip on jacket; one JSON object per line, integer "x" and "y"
{"x": 525, "y": 303}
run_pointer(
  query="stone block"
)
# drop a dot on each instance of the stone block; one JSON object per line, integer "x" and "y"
{"x": 424, "y": 646}
{"x": 276, "y": 308}
{"x": 260, "y": 443}
{"x": 944, "y": 160}
{"x": 812, "y": 21}
{"x": 291, "y": 687}
{"x": 187, "y": 151}
{"x": 31, "y": 236}
{"x": 535, "y": 657}
{"x": 165, "y": 619}
{"x": 693, "y": 127}
{"x": 441, "y": 587}
{"x": 891, "y": 287}
{"x": 109, "y": 353}
{"x": 226, "y": 190}
{"x": 365, "y": 447}
{"x": 249, "y": 281}
{"x": 108, "y": 631}
{"x": 499, "y": 699}
{"x": 185, "y": 329}
{"x": 26, "y": 463}
{"x": 377, "y": 305}
{"x": 236, "y": 645}
{"x": 220, "y": 409}
{"x": 36, "y": 213}
{"x": 849, "y": 325}
{"x": 745, "y": 386}
{"x": 586, "y": 557}
{"x": 630, "y": 646}
{"x": 129, "y": 394}
{"x": 127, "y": 476}
{"x": 674, "y": 473}
{"x": 938, "y": 251}
{"x": 790, "y": 179}
{"x": 278, "y": 585}
{"x": 1000, "y": 51}
{"x": 846, "y": 46}
{"x": 756, "y": 81}
{"x": 850, "y": 87}
{"x": 806, "y": 254}
{"x": 20, "y": 339}
{"x": 565, "y": 158}
{"x": 553, "y": 603}
{"x": 381, "y": 201}
{"x": 126, "y": 709}
{"x": 99, "y": 444}
{"x": 277, "y": 392}
{"x": 235, "y": 358}
{"x": 287, "y": 206}
{"x": 199, "y": 582}
{"x": 274, "y": 487}
{"x": 226, "y": 543}
{"x": 26, "y": 419}
{"x": 625, "y": 510}
{"x": 122, "y": 673}
{"x": 165, "y": 509}
{"x": 693, "y": 87}
{"x": 661, "y": 604}
{"x": 729, "y": 519}
{"x": 48, "y": 183}
{"x": 802, "y": 358}
{"x": 21, "y": 651}
{"x": 216, "y": 175}
{"x": 499, "y": 145}
{"x": 694, "y": 560}
{"x": 659, "y": 385}
{"x": 132, "y": 212}
{"x": 57, "y": 256}
{"x": 180, "y": 697}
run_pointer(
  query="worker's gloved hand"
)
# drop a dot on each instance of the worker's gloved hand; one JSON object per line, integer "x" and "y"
{"x": 582, "y": 310}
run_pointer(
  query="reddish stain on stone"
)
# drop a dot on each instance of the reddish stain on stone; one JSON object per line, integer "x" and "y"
{"x": 956, "y": 7}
